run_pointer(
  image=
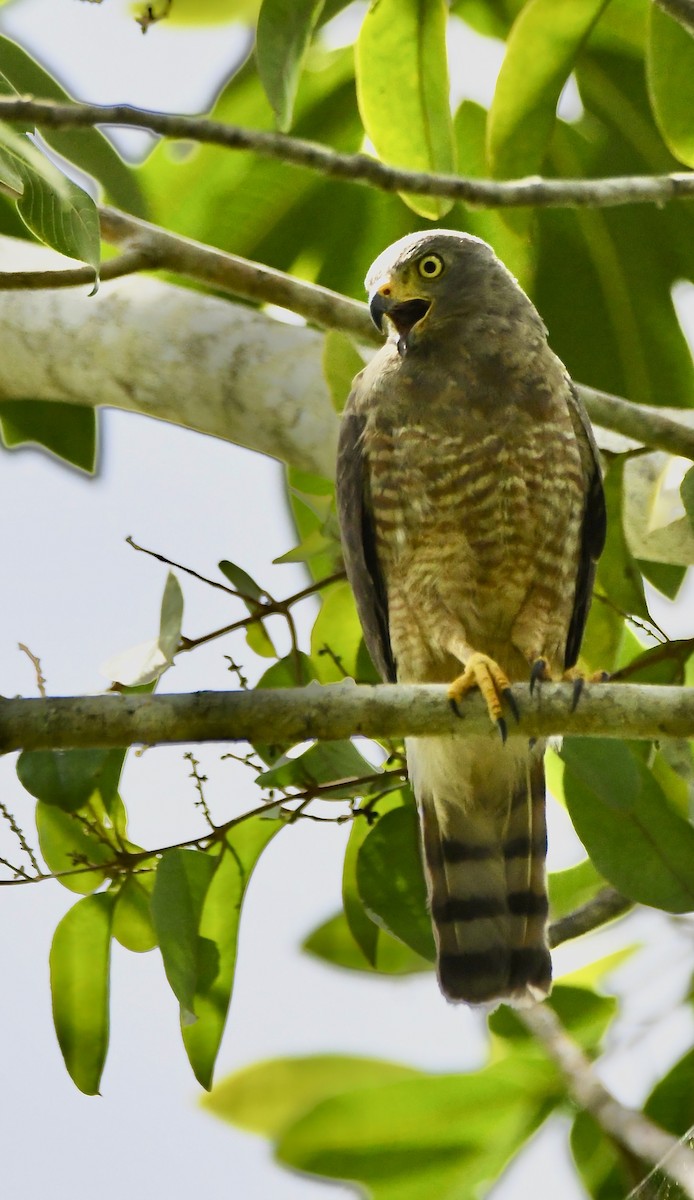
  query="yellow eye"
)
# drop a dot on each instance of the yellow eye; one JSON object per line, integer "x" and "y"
{"x": 430, "y": 266}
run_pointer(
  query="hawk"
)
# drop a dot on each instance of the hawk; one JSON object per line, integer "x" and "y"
{"x": 472, "y": 516}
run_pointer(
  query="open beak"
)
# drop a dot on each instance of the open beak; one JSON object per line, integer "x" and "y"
{"x": 404, "y": 314}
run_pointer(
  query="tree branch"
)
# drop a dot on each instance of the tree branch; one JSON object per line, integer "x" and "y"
{"x": 681, "y": 10}
{"x": 629, "y": 1127}
{"x": 337, "y": 711}
{"x": 606, "y": 906}
{"x": 359, "y": 168}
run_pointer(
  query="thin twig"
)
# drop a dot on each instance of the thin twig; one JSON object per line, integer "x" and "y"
{"x": 128, "y": 263}
{"x": 532, "y": 192}
{"x": 635, "y": 1132}
{"x": 36, "y": 662}
{"x": 606, "y": 906}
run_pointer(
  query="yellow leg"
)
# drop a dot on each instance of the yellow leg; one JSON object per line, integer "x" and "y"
{"x": 482, "y": 672}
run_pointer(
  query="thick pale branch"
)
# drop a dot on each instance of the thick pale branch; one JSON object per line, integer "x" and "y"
{"x": 338, "y": 711}
{"x": 627, "y": 1126}
{"x": 359, "y": 168}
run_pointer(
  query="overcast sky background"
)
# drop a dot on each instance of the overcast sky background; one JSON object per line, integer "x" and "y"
{"x": 76, "y": 594}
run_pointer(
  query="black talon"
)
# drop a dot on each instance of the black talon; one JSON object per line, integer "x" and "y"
{"x": 577, "y": 689}
{"x": 501, "y": 726}
{"x": 538, "y": 672}
{"x": 454, "y": 705}
{"x": 511, "y": 701}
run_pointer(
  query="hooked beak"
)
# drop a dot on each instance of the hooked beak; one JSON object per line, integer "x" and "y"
{"x": 404, "y": 314}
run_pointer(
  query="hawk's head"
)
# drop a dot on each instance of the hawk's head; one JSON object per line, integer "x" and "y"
{"x": 437, "y": 275}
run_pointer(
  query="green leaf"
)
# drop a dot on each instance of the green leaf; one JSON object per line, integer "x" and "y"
{"x": 671, "y": 1103}
{"x": 79, "y": 965}
{"x": 285, "y": 28}
{"x": 403, "y": 90}
{"x": 618, "y": 574}
{"x": 391, "y": 881}
{"x": 254, "y": 597}
{"x": 322, "y": 763}
{"x": 425, "y": 1136}
{"x": 171, "y": 617}
{"x": 333, "y": 943}
{"x": 670, "y": 73}
{"x": 602, "y": 1169}
{"x": 336, "y": 638}
{"x": 541, "y": 50}
{"x": 55, "y": 209}
{"x": 633, "y": 834}
{"x": 218, "y": 936}
{"x": 68, "y": 778}
{"x": 666, "y": 577}
{"x": 341, "y": 362}
{"x": 88, "y": 148}
{"x": 66, "y": 843}
{"x": 183, "y": 877}
{"x": 366, "y": 933}
{"x": 132, "y": 918}
{"x": 573, "y": 887}
{"x": 67, "y": 430}
{"x": 265, "y": 1097}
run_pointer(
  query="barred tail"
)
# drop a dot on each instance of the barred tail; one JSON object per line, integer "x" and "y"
{"x": 482, "y": 810}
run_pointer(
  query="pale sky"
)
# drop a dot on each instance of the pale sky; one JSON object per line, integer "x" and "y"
{"x": 76, "y": 594}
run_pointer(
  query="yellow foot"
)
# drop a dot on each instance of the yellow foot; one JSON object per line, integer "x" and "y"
{"x": 483, "y": 673}
{"x": 540, "y": 673}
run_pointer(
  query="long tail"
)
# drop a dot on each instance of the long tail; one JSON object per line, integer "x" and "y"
{"x": 482, "y": 811}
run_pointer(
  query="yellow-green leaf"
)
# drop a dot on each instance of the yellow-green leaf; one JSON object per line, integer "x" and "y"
{"x": 670, "y": 72}
{"x": 282, "y": 39}
{"x": 79, "y": 964}
{"x": 402, "y": 90}
{"x": 540, "y": 53}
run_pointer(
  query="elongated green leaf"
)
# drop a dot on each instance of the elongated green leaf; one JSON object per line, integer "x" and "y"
{"x": 257, "y": 636}
{"x": 67, "y": 778}
{"x": 322, "y": 763}
{"x": 283, "y": 35}
{"x": 219, "y": 926}
{"x": 183, "y": 877}
{"x": 670, "y": 72}
{"x": 540, "y": 53}
{"x": 88, "y": 148}
{"x": 67, "y": 430}
{"x": 618, "y": 573}
{"x": 391, "y": 882}
{"x": 333, "y": 943}
{"x": 336, "y": 637}
{"x": 66, "y": 843}
{"x": 671, "y": 1103}
{"x": 79, "y": 963}
{"x": 263, "y": 1098}
{"x": 402, "y": 88}
{"x": 171, "y": 617}
{"x": 364, "y": 930}
{"x": 602, "y": 1169}
{"x": 55, "y": 209}
{"x": 426, "y": 1136}
{"x": 132, "y": 918}
{"x": 633, "y": 834}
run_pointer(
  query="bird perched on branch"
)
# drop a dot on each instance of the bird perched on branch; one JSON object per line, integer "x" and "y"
{"x": 472, "y": 515}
